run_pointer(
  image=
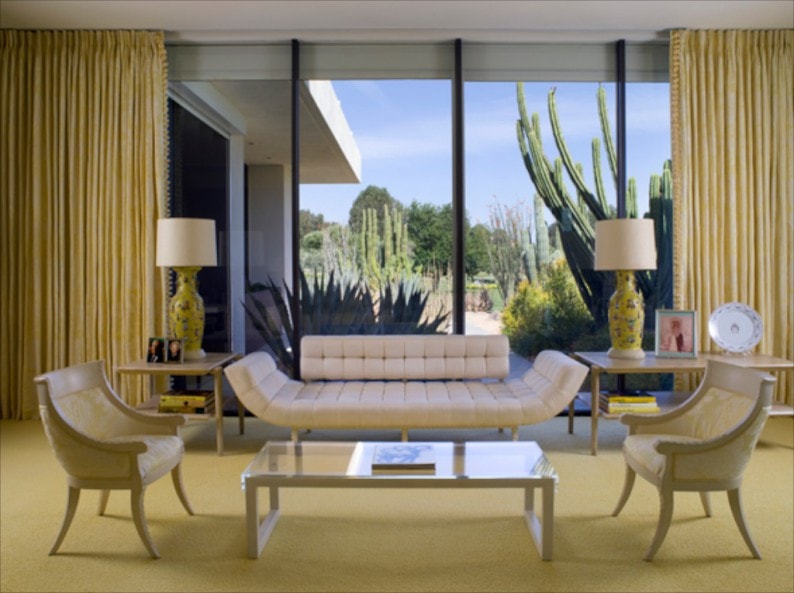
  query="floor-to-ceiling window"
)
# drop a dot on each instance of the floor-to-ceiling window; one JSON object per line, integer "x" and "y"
{"x": 542, "y": 155}
{"x": 374, "y": 168}
{"x": 377, "y": 253}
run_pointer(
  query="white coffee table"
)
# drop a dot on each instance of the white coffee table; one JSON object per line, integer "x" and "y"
{"x": 287, "y": 464}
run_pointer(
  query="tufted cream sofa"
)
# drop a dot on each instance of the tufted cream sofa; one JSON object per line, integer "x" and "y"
{"x": 402, "y": 382}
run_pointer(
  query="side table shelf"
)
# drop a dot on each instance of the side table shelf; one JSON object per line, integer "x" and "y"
{"x": 213, "y": 364}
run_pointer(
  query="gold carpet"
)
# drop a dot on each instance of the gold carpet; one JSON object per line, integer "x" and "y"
{"x": 393, "y": 540}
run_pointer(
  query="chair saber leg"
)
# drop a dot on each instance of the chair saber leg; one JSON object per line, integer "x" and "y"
{"x": 736, "y": 507}
{"x": 104, "y": 495}
{"x": 71, "y": 507}
{"x": 704, "y": 498}
{"x": 176, "y": 476}
{"x": 665, "y": 516}
{"x": 139, "y": 518}
{"x": 628, "y": 484}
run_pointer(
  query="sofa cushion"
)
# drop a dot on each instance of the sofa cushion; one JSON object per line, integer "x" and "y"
{"x": 404, "y": 358}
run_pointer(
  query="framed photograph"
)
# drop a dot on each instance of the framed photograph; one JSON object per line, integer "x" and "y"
{"x": 676, "y": 334}
{"x": 174, "y": 353}
{"x": 155, "y": 350}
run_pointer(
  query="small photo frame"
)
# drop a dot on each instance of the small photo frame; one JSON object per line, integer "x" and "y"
{"x": 155, "y": 350}
{"x": 174, "y": 352}
{"x": 676, "y": 334}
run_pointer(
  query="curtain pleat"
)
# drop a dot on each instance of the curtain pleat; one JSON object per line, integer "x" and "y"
{"x": 83, "y": 182}
{"x": 732, "y": 103}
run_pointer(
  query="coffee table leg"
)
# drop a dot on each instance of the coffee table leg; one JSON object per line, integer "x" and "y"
{"x": 259, "y": 532}
{"x": 542, "y": 531}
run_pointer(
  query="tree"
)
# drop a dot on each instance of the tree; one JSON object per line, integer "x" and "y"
{"x": 374, "y": 198}
{"x": 430, "y": 233}
{"x": 309, "y": 222}
{"x": 477, "y": 240}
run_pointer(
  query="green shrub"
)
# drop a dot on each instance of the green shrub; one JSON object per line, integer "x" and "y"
{"x": 552, "y": 316}
{"x": 524, "y": 319}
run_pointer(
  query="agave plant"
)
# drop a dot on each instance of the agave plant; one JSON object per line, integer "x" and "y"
{"x": 401, "y": 310}
{"x": 334, "y": 307}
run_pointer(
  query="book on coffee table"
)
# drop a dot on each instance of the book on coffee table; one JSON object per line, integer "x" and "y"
{"x": 403, "y": 457}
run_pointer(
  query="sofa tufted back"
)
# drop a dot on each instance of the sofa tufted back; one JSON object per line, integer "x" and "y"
{"x": 404, "y": 357}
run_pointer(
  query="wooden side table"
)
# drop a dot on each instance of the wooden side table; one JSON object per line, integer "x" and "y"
{"x": 213, "y": 364}
{"x": 600, "y": 363}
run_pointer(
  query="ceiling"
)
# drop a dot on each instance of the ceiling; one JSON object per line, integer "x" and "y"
{"x": 246, "y": 21}
{"x": 194, "y": 21}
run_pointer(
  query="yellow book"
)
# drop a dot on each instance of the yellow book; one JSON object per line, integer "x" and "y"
{"x": 628, "y": 399}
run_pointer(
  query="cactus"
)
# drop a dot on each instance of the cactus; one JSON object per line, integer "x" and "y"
{"x": 576, "y": 218}
{"x": 661, "y": 210}
{"x": 515, "y": 249}
{"x": 541, "y": 236}
{"x": 383, "y": 259}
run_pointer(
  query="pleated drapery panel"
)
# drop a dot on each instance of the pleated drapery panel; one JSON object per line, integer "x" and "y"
{"x": 732, "y": 102}
{"x": 83, "y": 182}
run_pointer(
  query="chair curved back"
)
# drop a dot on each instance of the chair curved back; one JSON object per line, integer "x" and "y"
{"x": 77, "y": 410}
{"x": 703, "y": 445}
{"x": 728, "y": 409}
{"x": 104, "y": 444}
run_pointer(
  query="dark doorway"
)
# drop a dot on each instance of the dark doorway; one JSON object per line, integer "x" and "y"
{"x": 198, "y": 188}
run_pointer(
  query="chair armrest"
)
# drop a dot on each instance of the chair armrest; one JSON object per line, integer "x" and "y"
{"x": 136, "y": 422}
{"x": 82, "y": 440}
{"x": 661, "y": 423}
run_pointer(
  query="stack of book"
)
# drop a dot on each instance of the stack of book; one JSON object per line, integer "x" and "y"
{"x": 628, "y": 404}
{"x": 187, "y": 401}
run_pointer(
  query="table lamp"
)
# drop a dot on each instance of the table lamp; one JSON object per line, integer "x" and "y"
{"x": 186, "y": 245}
{"x": 625, "y": 245}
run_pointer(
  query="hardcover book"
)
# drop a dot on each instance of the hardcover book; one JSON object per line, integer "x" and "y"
{"x": 404, "y": 457}
{"x": 645, "y": 408}
{"x": 628, "y": 399}
{"x": 185, "y": 409}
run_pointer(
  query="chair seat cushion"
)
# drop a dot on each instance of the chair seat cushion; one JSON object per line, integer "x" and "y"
{"x": 163, "y": 453}
{"x": 641, "y": 454}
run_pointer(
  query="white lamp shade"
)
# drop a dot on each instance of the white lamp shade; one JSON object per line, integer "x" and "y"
{"x": 625, "y": 244}
{"x": 186, "y": 242}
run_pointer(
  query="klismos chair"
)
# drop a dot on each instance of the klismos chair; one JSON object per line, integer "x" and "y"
{"x": 104, "y": 444}
{"x": 703, "y": 445}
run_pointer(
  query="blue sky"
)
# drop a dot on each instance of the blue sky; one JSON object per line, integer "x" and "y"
{"x": 403, "y": 130}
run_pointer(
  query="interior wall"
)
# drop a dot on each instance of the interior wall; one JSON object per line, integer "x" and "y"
{"x": 268, "y": 204}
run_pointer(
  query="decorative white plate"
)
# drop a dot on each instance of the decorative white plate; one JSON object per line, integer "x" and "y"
{"x": 735, "y": 327}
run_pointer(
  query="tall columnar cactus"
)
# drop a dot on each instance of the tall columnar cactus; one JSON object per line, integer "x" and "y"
{"x": 661, "y": 210}
{"x": 383, "y": 259}
{"x": 576, "y": 217}
{"x": 541, "y": 235}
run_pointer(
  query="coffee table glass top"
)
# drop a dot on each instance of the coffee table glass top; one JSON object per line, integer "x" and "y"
{"x": 501, "y": 460}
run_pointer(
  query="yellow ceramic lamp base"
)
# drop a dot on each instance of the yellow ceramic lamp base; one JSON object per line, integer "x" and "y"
{"x": 186, "y": 313}
{"x": 626, "y": 318}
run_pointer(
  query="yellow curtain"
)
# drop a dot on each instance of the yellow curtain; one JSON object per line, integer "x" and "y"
{"x": 83, "y": 118}
{"x": 733, "y": 166}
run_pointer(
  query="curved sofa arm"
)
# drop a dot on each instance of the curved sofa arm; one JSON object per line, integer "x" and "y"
{"x": 555, "y": 378}
{"x": 256, "y": 381}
